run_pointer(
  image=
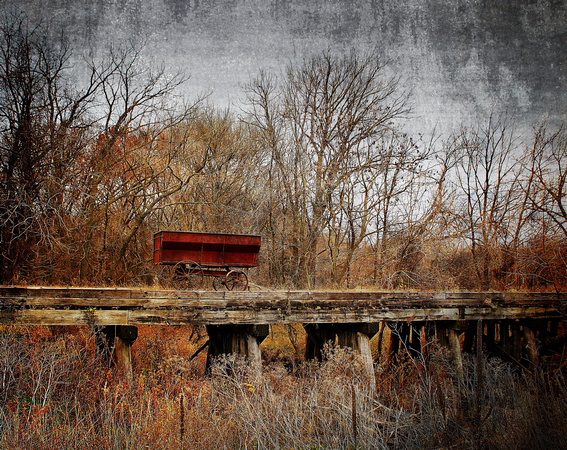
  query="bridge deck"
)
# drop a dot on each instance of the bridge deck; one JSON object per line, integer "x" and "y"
{"x": 134, "y": 306}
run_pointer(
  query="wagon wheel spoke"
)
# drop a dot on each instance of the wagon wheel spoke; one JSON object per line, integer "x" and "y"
{"x": 164, "y": 277}
{"x": 236, "y": 280}
{"x": 187, "y": 275}
{"x": 219, "y": 283}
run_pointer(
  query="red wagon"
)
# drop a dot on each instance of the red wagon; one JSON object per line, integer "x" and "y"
{"x": 190, "y": 256}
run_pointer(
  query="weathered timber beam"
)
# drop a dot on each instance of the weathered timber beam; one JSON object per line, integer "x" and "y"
{"x": 237, "y": 302}
{"x": 226, "y": 314}
{"x": 126, "y": 297}
{"x": 124, "y": 306}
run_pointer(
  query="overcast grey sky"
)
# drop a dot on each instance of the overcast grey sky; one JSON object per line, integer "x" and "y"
{"x": 462, "y": 59}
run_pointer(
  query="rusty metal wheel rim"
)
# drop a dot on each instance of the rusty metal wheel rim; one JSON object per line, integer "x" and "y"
{"x": 219, "y": 283}
{"x": 187, "y": 275}
{"x": 236, "y": 280}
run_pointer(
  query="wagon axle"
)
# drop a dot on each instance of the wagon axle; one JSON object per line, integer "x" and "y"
{"x": 190, "y": 275}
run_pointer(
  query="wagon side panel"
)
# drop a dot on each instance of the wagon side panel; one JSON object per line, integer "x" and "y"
{"x": 212, "y": 250}
{"x": 176, "y": 247}
{"x": 241, "y": 251}
{"x": 158, "y": 239}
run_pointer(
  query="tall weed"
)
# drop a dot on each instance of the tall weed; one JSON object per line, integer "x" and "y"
{"x": 56, "y": 392}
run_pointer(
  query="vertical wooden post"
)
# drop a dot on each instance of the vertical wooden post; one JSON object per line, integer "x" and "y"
{"x": 317, "y": 335}
{"x": 357, "y": 337}
{"x": 505, "y": 340}
{"x": 394, "y": 344}
{"x": 454, "y": 330}
{"x": 253, "y": 352}
{"x": 242, "y": 340}
{"x": 470, "y": 335}
{"x": 490, "y": 340}
{"x": 516, "y": 341}
{"x": 415, "y": 340}
{"x": 126, "y": 335}
{"x": 122, "y": 356}
{"x": 531, "y": 347}
{"x": 455, "y": 348}
{"x": 117, "y": 345}
{"x": 479, "y": 384}
{"x": 380, "y": 338}
{"x": 442, "y": 337}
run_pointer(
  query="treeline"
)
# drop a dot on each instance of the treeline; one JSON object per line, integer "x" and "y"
{"x": 316, "y": 163}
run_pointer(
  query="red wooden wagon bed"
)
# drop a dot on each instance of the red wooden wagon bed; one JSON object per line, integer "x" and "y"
{"x": 192, "y": 256}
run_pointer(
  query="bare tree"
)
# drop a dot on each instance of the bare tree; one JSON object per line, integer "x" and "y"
{"x": 133, "y": 149}
{"x": 369, "y": 200}
{"x": 71, "y": 155}
{"x": 41, "y": 128}
{"x": 548, "y": 175}
{"x": 222, "y": 197}
{"x": 488, "y": 181}
{"x": 540, "y": 246}
{"x": 319, "y": 124}
{"x": 267, "y": 133}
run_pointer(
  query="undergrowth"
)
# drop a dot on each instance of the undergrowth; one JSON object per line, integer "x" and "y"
{"x": 56, "y": 392}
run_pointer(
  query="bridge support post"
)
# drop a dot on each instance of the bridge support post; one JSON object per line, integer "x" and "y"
{"x": 454, "y": 330}
{"x": 516, "y": 335}
{"x": 471, "y": 337}
{"x": 126, "y": 335}
{"x": 455, "y": 348}
{"x": 318, "y": 334}
{"x": 550, "y": 339}
{"x": 531, "y": 346}
{"x": 393, "y": 344}
{"x": 490, "y": 339}
{"x": 429, "y": 338}
{"x": 441, "y": 332}
{"x": 117, "y": 344}
{"x": 505, "y": 340}
{"x": 241, "y": 340}
{"x": 404, "y": 336}
{"x": 355, "y": 336}
{"x": 510, "y": 348}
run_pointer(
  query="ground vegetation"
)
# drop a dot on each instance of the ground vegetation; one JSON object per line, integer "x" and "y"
{"x": 58, "y": 392}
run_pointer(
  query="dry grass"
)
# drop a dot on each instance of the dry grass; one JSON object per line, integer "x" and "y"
{"x": 56, "y": 393}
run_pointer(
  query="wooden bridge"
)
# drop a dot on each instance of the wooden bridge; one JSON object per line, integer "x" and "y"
{"x": 517, "y": 323}
{"x": 134, "y": 306}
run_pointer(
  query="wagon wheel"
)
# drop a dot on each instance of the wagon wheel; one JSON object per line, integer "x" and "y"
{"x": 219, "y": 283}
{"x": 164, "y": 277}
{"x": 187, "y": 275}
{"x": 236, "y": 280}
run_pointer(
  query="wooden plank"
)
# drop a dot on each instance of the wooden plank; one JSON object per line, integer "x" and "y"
{"x": 71, "y": 292}
{"x": 121, "y": 306}
{"x": 221, "y": 316}
{"x": 109, "y": 298}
